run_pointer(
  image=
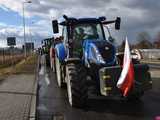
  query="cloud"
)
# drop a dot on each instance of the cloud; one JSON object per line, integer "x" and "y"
{"x": 37, "y": 31}
{"x": 4, "y": 8}
{"x": 137, "y": 15}
{"x": 15, "y": 5}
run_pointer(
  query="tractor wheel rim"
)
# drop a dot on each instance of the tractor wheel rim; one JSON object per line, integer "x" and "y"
{"x": 69, "y": 91}
{"x": 58, "y": 71}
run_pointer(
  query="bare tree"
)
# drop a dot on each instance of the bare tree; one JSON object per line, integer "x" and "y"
{"x": 121, "y": 47}
{"x": 144, "y": 41}
{"x": 157, "y": 41}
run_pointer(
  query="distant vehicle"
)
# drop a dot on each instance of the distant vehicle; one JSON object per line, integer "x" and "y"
{"x": 87, "y": 62}
{"x": 52, "y": 52}
{"x": 46, "y": 44}
{"x": 136, "y": 54}
{"x": 135, "y": 57}
{"x": 148, "y": 53}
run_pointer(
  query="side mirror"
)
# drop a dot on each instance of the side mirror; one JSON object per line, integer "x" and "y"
{"x": 118, "y": 23}
{"x": 55, "y": 26}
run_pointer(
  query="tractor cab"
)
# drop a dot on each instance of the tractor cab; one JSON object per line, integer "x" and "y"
{"x": 78, "y": 32}
{"x": 79, "y": 29}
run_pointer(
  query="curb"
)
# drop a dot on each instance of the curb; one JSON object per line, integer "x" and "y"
{"x": 32, "y": 114}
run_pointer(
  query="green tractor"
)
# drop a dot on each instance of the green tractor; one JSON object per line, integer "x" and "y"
{"x": 46, "y": 44}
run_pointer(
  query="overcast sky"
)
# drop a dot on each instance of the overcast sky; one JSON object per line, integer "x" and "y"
{"x": 137, "y": 16}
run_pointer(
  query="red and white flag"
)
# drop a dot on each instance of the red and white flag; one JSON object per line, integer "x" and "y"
{"x": 126, "y": 80}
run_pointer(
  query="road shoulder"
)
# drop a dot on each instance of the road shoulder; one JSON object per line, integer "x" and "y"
{"x": 18, "y": 91}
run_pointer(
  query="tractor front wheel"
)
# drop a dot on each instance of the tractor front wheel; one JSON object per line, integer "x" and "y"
{"x": 76, "y": 85}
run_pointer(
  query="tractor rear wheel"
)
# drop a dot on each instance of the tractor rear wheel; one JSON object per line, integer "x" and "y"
{"x": 76, "y": 85}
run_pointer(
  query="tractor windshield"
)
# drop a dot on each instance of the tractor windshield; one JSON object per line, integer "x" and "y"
{"x": 88, "y": 31}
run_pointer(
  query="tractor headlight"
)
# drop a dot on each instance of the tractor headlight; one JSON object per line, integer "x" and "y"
{"x": 95, "y": 55}
{"x": 100, "y": 59}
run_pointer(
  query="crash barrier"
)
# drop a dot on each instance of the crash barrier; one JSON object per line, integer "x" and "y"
{"x": 153, "y": 54}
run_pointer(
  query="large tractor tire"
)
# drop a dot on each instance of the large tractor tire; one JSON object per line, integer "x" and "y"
{"x": 58, "y": 72}
{"x": 76, "y": 85}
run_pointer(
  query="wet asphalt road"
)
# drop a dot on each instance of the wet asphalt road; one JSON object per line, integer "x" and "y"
{"x": 53, "y": 104}
{"x": 154, "y": 66}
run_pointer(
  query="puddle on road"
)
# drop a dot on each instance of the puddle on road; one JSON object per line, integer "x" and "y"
{"x": 41, "y": 72}
{"x": 58, "y": 116}
{"x": 47, "y": 79}
{"x": 42, "y": 107}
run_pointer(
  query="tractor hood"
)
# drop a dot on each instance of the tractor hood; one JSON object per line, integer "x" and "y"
{"x": 99, "y": 52}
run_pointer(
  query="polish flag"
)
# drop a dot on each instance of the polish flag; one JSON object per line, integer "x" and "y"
{"x": 126, "y": 80}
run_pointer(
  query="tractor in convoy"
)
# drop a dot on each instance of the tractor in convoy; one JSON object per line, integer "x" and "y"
{"x": 87, "y": 62}
{"x": 46, "y": 44}
{"x": 52, "y": 52}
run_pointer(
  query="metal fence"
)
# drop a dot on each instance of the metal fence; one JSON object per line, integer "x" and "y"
{"x": 10, "y": 56}
{"x": 153, "y": 54}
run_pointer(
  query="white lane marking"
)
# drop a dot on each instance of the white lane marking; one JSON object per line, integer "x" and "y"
{"x": 41, "y": 72}
{"x": 47, "y": 79}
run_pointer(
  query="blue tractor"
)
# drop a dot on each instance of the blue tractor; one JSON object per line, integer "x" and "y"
{"x": 86, "y": 61}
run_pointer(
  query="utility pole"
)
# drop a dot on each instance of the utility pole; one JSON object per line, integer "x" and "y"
{"x": 25, "y": 54}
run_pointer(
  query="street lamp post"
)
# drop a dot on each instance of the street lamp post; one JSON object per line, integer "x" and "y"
{"x": 31, "y": 37}
{"x": 25, "y": 54}
{"x": 32, "y": 41}
{"x": 30, "y": 34}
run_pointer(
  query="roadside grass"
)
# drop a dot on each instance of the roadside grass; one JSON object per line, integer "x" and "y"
{"x": 9, "y": 64}
{"x": 27, "y": 66}
{"x": 7, "y": 60}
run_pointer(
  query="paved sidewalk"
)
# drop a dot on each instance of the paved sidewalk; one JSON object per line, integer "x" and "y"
{"x": 16, "y": 94}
